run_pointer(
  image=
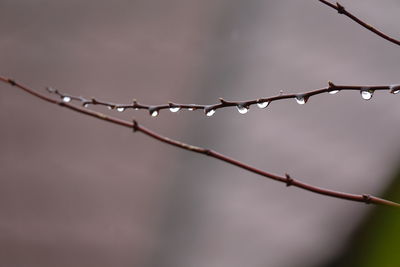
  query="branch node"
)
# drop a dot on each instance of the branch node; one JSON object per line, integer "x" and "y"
{"x": 367, "y": 198}
{"x": 135, "y": 126}
{"x": 207, "y": 151}
{"x": 12, "y": 82}
{"x": 340, "y": 8}
{"x": 289, "y": 180}
{"x": 331, "y": 84}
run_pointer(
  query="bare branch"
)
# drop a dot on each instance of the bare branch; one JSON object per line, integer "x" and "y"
{"x": 341, "y": 10}
{"x": 242, "y": 106}
{"x": 134, "y": 125}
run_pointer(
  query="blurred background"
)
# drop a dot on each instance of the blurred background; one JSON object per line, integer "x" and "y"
{"x": 75, "y": 191}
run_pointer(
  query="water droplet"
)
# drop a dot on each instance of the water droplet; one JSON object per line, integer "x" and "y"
{"x": 366, "y": 94}
{"x": 66, "y": 99}
{"x": 85, "y": 105}
{"x": 120, "y": 109}
{"x": 263, "y": 104}
{"x": 174, "y": 109}
{"x": 333, "y": 92}
{"x": 190, "y": 109}
{"x": 209, "y": 112}
{"x": 242, "y": 109}
{"x": 110, "y": 107}
{"x": 300, "y": 99}
{"x": 395, "y": 89}
{"x": 154, "y": 113}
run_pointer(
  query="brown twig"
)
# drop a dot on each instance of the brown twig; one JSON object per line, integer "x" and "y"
{"x": 242, "y": 106}
{"x": 287, "y": 179}
{"x": 341, "y": 10}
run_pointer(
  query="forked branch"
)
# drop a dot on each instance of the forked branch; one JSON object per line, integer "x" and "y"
{"x": 134, "y": 125}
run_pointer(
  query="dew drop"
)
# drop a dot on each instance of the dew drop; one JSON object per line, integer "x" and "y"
{"x": 120, "y": 109}
{"x": 395, "y": 89}
{"x": 366, "y": 94}
{"x": 66, "y": 99}
{"x": 85, "y": 105}
{"x": 190, "y": 109}
{"x": 242, "y": 109}
{"x": 300, "y": 99}
{"x": 154, "y": 113}
{"x": 174, "y": 109}
{"x": 110, "y": 107}
{"x": 263, "y": 104}
{"x": 210, "y": 112}
{"x": 333, "y": 92}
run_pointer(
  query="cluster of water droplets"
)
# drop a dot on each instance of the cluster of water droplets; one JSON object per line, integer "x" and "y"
{"x": 366, "y": 94}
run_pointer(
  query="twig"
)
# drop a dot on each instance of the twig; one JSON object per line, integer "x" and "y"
{"x": 134, "y": 125}
{"x": 242, "y": 106}
{"x": 341, "y": 10}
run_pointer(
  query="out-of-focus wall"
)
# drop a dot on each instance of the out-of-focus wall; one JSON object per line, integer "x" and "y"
{"x": 78, "y": 192}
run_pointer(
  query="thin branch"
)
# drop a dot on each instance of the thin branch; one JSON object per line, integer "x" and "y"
{"x": 341, "y": 10}
{"x": 134, "y": 125}
{"x": 242, "y": 106}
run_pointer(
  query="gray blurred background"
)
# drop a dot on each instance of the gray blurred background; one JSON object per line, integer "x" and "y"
{"x": 75, "y": 191}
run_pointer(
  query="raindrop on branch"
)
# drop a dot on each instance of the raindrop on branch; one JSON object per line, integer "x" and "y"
{"x": 85, "y": 105}
{"x": 120, "y": 109}
{"x": 209, "y": 112}
{"x": 66, "y": 99}
{"x": 301, "y": 100}
{"x": 174, "y": 109}
{"x": 154, "y": 113}
{"x": 263, "y": 104}
{"x": 242, "y": 109}
{"x": 190, "y": 109}
{"x": 333, "y": 92}
{"x": 395, "y": 89}
{"x": 366, "y": 93}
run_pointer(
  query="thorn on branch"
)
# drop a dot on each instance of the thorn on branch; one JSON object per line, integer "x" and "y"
{"x": 340, "y": 8}
{"x": 135, "y": 126}
{"x": 367, "y": 198}
{"x": 289, "y": 180}
{"x": 12, "y": 82}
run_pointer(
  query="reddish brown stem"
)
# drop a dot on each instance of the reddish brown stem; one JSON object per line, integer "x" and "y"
{"x": 341, "y": 10}
{"x": 288, "y": 180}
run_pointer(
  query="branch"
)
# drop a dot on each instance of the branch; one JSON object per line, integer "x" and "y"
{"x": 341, "y": 10}
{"x": 242, "y": 106}
{"x": 134, "y": 125}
